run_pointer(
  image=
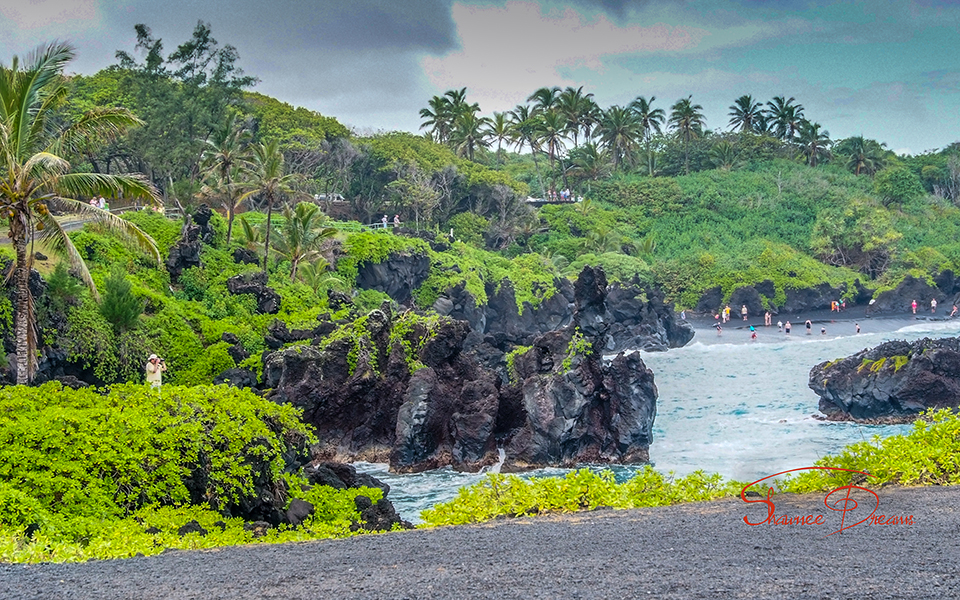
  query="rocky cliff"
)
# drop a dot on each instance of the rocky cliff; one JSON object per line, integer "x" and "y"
{"x": 891, "y": 382}
{"x": 425, "y": 392}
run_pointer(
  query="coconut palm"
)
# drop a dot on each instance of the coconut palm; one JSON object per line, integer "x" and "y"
{"x": 301, "y": 235}
{"x": 814, "y": 144}
{"x": 34, "y": 177}
{"x": 268, "y": 178}
{"x": 439, "y": 118}
{"x": 785, "y": 117}
{"x": 651, "y": 120}
{"x": 745, "y": 113}
{"x": 551, "y": 128}
{"x": 468, "y": 133}
{"x": 577, "y": 109}
{"x": 723, "y": 155}
{"x": 525, "y": 134}
{"x": 863, "y": 155}
{"x": 688, "y": 121}
{"x": 499, "y": 130}
{"x": 620, "y": 131}
{"x": 225, "y": 153}
{"x": 544, "y": 99}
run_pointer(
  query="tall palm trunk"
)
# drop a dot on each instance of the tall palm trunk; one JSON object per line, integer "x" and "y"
{"x": 21, "y": 278}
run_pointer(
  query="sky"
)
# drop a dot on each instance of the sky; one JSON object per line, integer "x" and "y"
{"x": 886, "y": 70}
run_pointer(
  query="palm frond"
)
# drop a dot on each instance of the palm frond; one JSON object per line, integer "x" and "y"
{"x": 128, "y": 232}
{"x": 78, "y": 185}
{"x": 94, "y": 127}
{"x": 58, "y": 241}
{"x": 46, "y": 161}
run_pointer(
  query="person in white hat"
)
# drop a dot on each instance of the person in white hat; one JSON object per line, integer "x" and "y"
{"x": 155, "y": 368}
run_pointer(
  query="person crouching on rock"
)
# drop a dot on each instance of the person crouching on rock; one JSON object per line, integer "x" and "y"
{"x": 155, "y": 368}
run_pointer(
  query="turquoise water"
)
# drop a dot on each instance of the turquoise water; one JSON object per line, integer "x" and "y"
{"x": 726, "y": 405}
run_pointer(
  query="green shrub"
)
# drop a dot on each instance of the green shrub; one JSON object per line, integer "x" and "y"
{"x": 119, "y": 305}
{"x": 469, "y": 227}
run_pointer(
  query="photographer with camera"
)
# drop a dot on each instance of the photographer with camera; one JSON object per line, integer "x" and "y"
{"x": 155, "y": 368}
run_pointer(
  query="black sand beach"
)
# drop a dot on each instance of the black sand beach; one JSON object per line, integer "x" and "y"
{"x": 702, "y": 550}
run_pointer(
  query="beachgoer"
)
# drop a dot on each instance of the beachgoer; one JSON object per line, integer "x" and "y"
{"x": 779, "y": 325}
{"x": 858, "y": 327}
{"x": 786, "y": 328}
{"x": 843, "y": 304}
{"x": 933, "y": 306}
{"x": 914, "y": 305}
{"x": 833, "y": 305}
{"x": 823, "y": 331}
{"x": 396, "y": 220}
{"x": 726, "y": 313}
{"x": 954, "y": 311}
{"x": 753, "y": 336}
{"x": 767, "y": 319}
{"x": 683, "y": 315}
{"x": 154, "y": 370}
{"x": 719, "y": 329}
{"x": 743, "y": 311}
{"x": 809, "y": 326}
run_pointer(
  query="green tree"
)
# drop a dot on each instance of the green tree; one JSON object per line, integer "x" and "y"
{"x": 34, "y": 178}
{"x": 268, "y": 178}
{"x": 745, "y": 114}
{"x": 620, "y": 131}
{"x": 859, "y": 234}
{"x": 500, "y": 130}
{"x": 438, "y": 116}
{"x": 577, "y": 110}
{"x": 898, "y": 185}
{"x": 688, "y": 121}
{"x": 651, "y": 120}
{"x": 544, "y": 99}
{"x": 863, "y": 156}
{"x": 302, "y": 234}
{"x": 225, "y": 154}
{"x": 785, "y": 117}
{"x": 469, "y": 134}
{"x": 120, "y": 306}
{"x": 525, "y": 134}
{"x": 814, "y": 144}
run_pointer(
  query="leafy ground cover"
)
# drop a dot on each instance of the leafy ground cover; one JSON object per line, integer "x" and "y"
{"x": 927, "y": 455}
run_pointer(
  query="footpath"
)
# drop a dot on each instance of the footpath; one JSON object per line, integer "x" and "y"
{"x": 702, "y": 550}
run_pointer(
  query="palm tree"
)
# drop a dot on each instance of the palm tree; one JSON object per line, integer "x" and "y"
{"x": 551, "y": 130}
{"x": 576, "y": 108}
{"x": 620, "y": 130}
{"x": 589, "y": 163}
{"x": 863, "y": 155}
{"x": 225, "y": 153}
{"x": 34, "y": 177}
{"x": 525, "y": 134}
{"x": 785, "y": 117}
{"x": 302, "y": 234}
{"x": 687, "y": 119}
{"x": 468, "y": 133}
{"x": 723, "y": 155}
{"x": 268, "y": 178}
{"x": 745, "y": 113}
{"x": 544, "y": 99}
{"x": 439, "y": 118}
{"x": 814, "y": 144}
{"x": 499, "y": 129}
{"x": 651, "y": 119}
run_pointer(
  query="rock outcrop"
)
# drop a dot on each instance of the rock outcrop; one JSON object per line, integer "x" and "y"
{"x": 268, "y": 300}
{"x": 891, "y": 382}
{"x": 424, "y": 393}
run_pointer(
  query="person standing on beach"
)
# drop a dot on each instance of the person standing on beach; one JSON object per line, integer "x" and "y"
{"x": 823, "y": 331}
{"x": 786, "y": 328}
{"x": 719, "y": 329}
{"x": 933, "y": 306}
{"x": 767, "y": 319}
{"x": 779, "y": 325}
{"x": 809, "y": 327}
{"x": 954, "y": 311}
{"x": 753, "y": 334}
{"x": 743, "y": 311}
{"x": 914, "y": 306}
{"x": 858, "y": 327}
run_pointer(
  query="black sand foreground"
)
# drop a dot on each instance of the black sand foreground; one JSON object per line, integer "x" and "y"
{"x": 690, "y": 551}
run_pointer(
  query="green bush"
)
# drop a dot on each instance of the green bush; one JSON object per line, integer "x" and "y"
{"x": 119, "y": 305}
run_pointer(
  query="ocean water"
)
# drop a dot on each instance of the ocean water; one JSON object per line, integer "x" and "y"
{"x": 726, "y": 404}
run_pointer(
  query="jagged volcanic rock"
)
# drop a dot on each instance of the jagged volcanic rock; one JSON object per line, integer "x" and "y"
{"x": 891, "y": 382}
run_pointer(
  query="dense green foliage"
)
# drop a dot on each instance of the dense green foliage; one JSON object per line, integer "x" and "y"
{"x": 91, "y": 475}
{"x": 509, "y": 495}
